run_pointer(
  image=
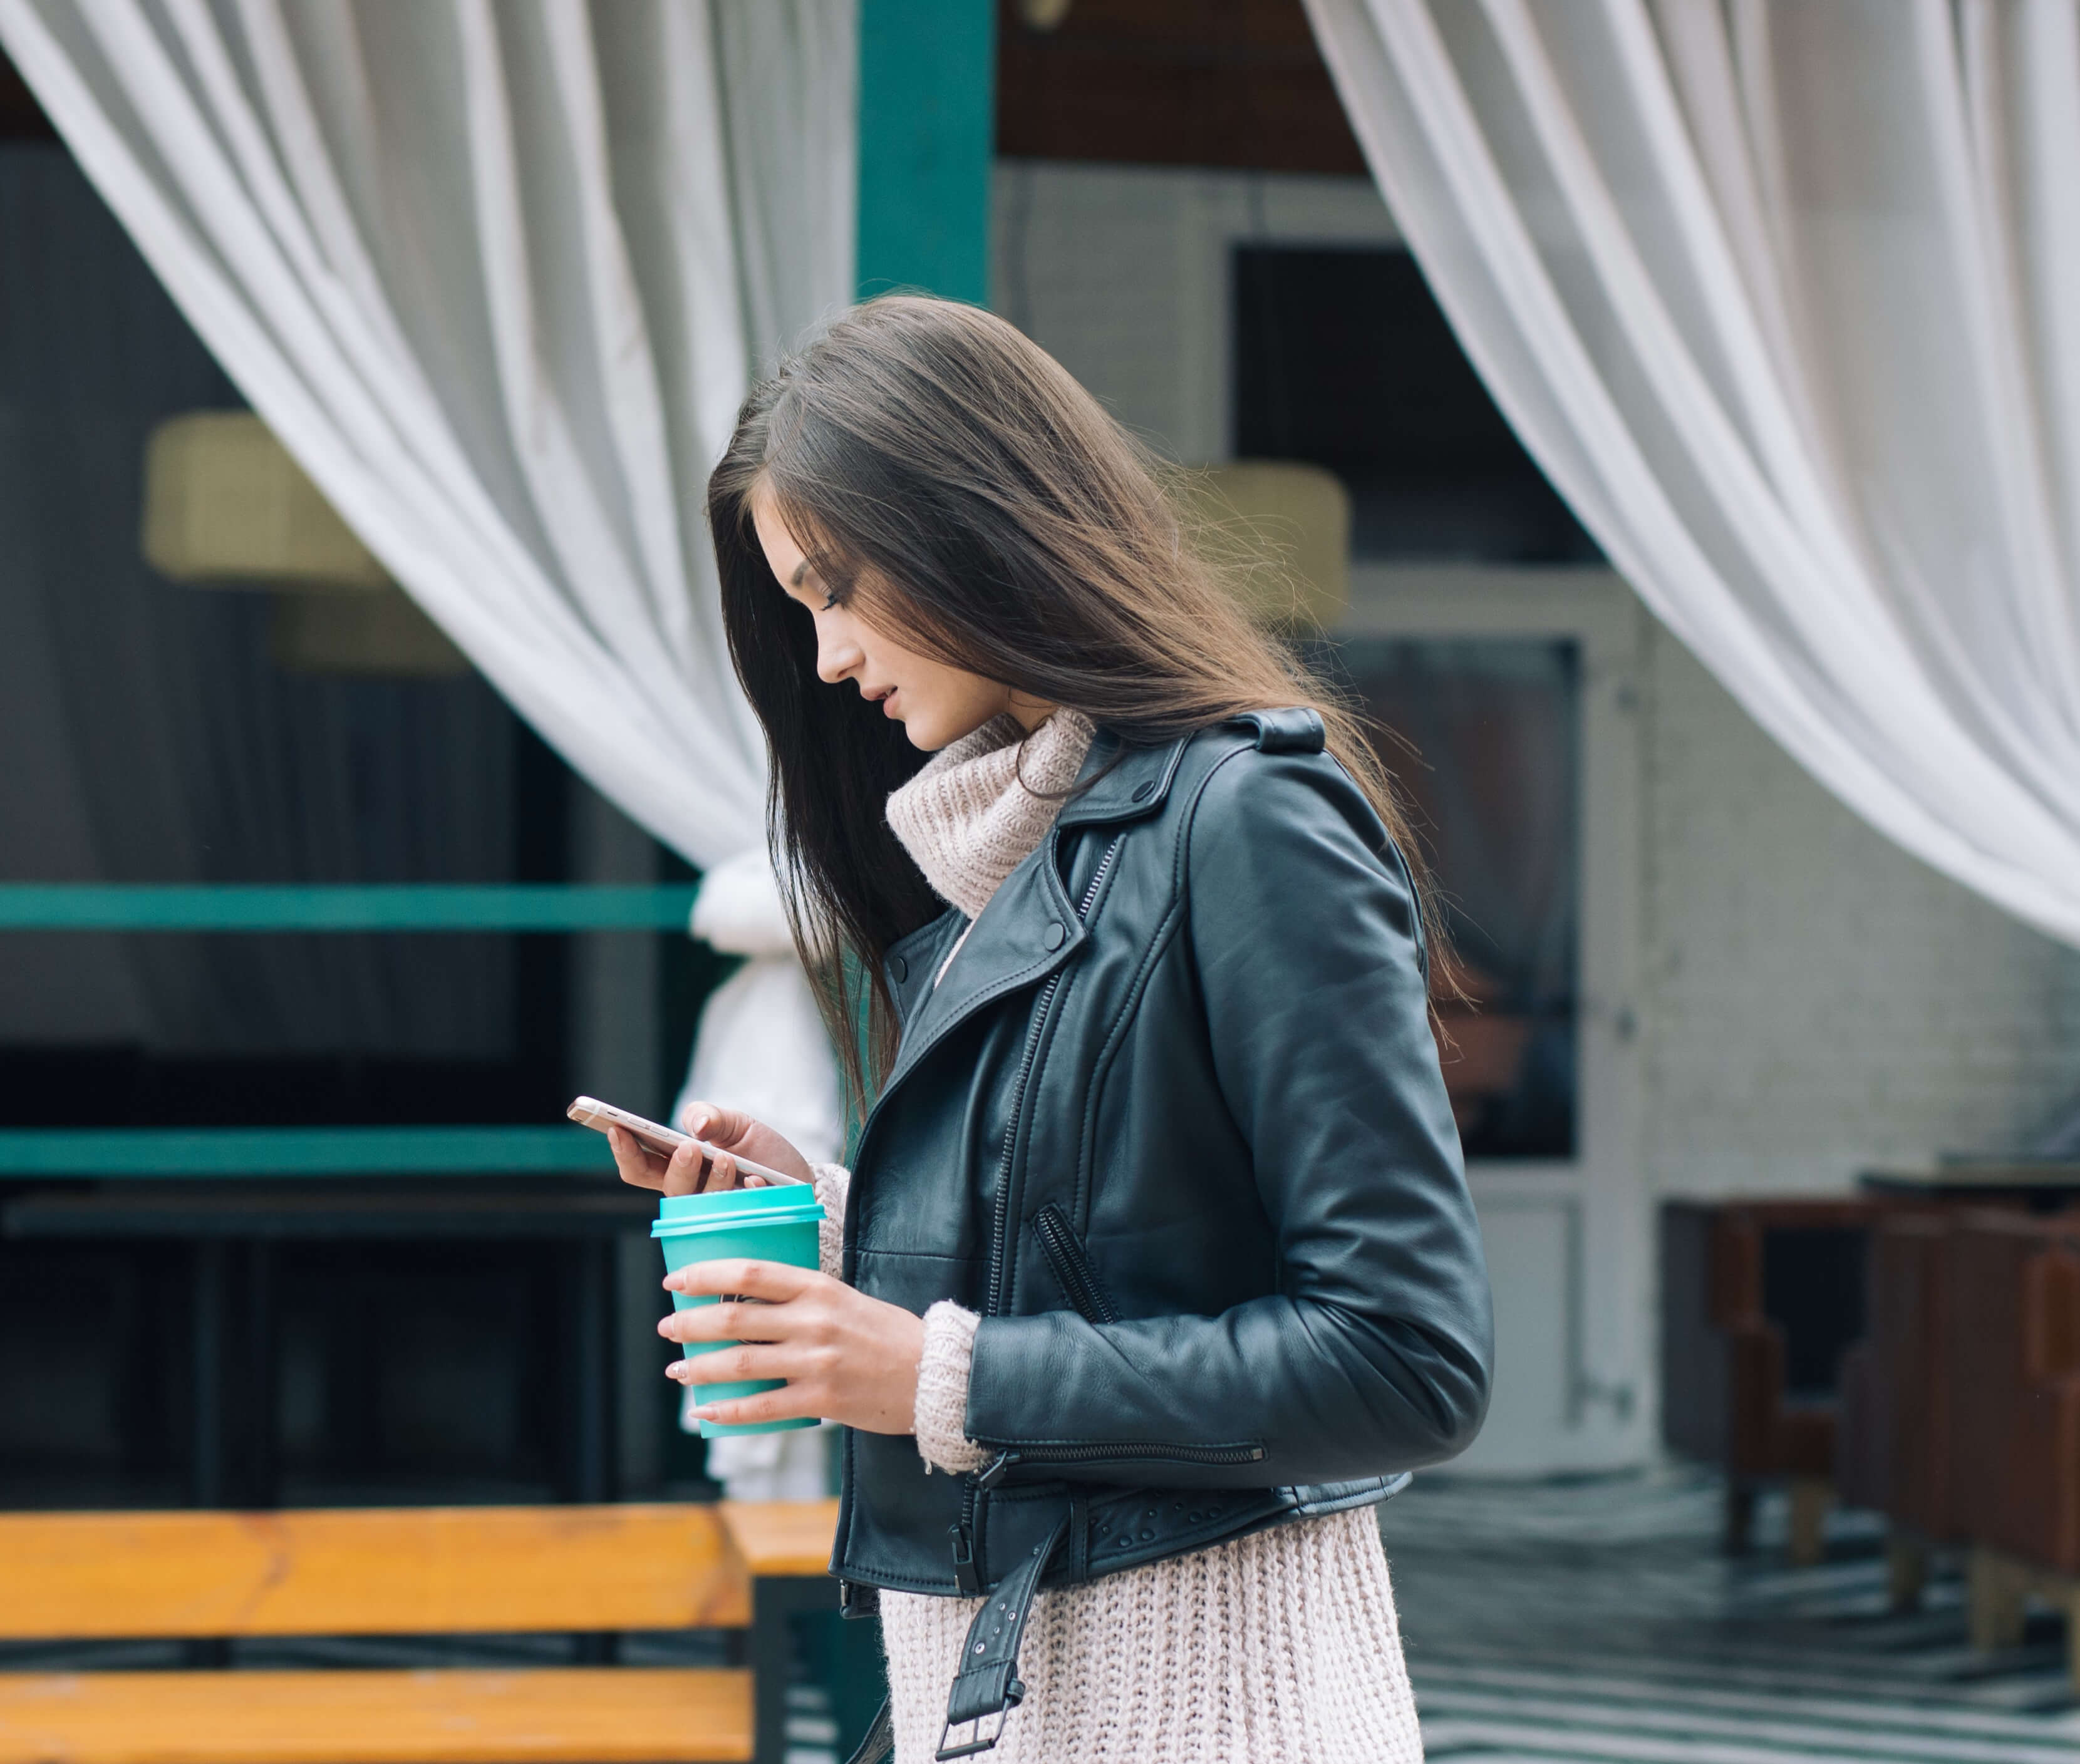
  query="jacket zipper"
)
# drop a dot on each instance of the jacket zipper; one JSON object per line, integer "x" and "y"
{"x": 1011, "y": 1456}
{"x": 1071, "y": 1264}
{"x": 999, "y": 1236}
{"x": 966, "y": 1573}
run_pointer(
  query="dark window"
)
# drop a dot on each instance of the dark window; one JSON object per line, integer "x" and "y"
{"x": 1344, "y": 359}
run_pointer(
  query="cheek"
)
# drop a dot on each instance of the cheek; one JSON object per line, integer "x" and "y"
{"x": 959, "y": 703}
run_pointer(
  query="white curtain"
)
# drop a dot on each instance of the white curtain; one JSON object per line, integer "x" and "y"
{"x": 1784, "y": 297}
{"x": 498, "y": 275}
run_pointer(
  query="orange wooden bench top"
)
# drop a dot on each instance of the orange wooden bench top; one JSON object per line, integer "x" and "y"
{"x": 373, "y": 1571}
{"x": 391, "y": 1571}
{"x": 604, "y": 1714}
{"x": 782, "y": 1538}
{"x": 401, "y": 1571}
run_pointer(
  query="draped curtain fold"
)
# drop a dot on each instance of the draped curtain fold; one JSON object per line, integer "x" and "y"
{"x": 1784, "y": 296}
{"x": 498, "y": 275}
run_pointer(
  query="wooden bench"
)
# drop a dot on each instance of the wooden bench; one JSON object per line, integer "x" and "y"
{"x": 400, "y": 1572}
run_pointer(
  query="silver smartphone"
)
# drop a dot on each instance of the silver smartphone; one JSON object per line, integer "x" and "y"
{"x": 653, "y": 1135}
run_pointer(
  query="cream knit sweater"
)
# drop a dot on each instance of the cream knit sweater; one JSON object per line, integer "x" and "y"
{"x": 1280, "y": 1647}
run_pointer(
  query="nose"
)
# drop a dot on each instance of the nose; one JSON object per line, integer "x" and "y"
{"x": 836, "y": 658}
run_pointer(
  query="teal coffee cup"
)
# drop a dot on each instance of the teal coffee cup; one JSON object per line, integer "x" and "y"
{"x": 752, "y": 1224}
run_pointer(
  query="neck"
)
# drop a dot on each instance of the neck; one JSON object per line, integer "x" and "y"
{"x": 1029, "y": 713}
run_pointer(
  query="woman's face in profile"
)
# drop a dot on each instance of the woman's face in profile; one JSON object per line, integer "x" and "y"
{"x": 936, "y": 702}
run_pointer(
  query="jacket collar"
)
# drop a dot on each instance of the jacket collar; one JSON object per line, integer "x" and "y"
{"x": 1029, "y": 927}
{"x": 913, "y": 960}
{"x": 1120, "y": 782}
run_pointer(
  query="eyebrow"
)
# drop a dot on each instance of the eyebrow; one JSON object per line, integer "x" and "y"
{"x": 801, "y": 570}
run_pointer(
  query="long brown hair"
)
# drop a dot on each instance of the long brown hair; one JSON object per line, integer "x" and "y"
{"x": 985, "y": 510}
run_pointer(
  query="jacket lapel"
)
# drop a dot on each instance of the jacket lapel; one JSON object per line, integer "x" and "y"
{"x": 1030, "y": 927}
{"x": 913, "y": 960}
{"x": 1027, "y": 931}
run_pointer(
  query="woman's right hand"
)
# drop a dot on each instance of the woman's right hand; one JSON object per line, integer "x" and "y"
{"x": 687, "y": 1171}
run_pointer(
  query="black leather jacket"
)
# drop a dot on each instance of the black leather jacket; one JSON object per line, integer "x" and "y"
{"x": 1173, "y": 1123}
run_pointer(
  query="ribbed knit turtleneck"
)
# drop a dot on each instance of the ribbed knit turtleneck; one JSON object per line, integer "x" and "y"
{"x": 983, "y": 803}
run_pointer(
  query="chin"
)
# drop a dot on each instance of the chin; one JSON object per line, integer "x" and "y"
{"x": 925, "y": 738}
{"x": 929, "y": 731}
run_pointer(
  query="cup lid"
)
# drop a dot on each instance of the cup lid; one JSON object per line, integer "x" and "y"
{"x": 680, "y": 1213}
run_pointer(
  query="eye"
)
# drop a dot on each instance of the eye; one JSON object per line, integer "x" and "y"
{"x": 834, "y": 584}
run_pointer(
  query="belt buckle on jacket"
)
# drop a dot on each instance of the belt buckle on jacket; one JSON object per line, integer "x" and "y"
{"x": 988, "y": 1683}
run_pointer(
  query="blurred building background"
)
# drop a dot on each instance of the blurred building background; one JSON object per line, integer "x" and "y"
{"x": 1694, "y": 973}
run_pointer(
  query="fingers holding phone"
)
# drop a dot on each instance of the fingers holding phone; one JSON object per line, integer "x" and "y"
{"x": 691, "y": 1169}
{"x": 766, "y": 1153}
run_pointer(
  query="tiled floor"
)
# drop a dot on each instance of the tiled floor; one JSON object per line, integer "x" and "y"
{"x": 1596, "y": 1621}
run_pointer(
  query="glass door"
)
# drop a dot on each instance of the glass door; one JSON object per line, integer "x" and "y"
{"x": 1502, "y": 700}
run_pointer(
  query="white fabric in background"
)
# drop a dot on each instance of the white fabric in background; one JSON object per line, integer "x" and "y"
{"x": 1784, "y": 297}
{"x": 757, "y": 1016}
{"x": 752, "y": 1018}
{"x": 499, "y": 275}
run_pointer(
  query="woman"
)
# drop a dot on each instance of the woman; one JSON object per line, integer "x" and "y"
{"x": 1157, "y": 1269}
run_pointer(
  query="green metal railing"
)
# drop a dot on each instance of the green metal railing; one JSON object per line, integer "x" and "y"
{"x": 300, "y": 1151}
{"x": 501, "y": 1149}
{"x": 339, "y": 907}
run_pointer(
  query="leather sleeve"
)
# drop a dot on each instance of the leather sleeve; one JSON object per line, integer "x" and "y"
{"x": 1374, "y": 1356}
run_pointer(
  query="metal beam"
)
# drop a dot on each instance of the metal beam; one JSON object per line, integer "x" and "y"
{"x": 375, "y": 906}
{"x": 302, "y": 1152}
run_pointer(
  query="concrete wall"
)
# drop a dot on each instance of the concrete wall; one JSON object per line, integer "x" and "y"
{"x": 1816, "y": 1000}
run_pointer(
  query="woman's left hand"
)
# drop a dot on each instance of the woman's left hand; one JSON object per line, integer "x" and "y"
{"x": 846, "y": 1357}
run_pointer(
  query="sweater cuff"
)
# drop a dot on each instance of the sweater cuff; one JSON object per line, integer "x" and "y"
{"x": 833, "y": 1182}
{"x": 942, "y": 1389}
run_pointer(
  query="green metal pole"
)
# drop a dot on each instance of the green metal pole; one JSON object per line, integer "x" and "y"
{"x": 927, "y": 143}
{"x": 927, "y": 135}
